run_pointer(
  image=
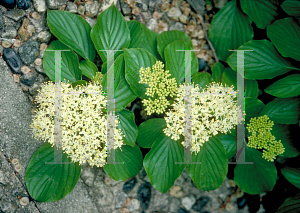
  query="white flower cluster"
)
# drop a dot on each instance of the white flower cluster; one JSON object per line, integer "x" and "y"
{"x": 213, "y": 110}
{"x": 84, "y": 125}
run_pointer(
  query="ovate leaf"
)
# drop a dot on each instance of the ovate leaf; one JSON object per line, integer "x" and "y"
{"x": 149, "y": 42}
{"x": 69, "y": 63}
{"x": 149, "y": 131}
{"x": 202, "y": 79}
{"x": 261, "y": 12}
{"x": 229, "y": 142}
{"x": 134, "y": 60}
{"x": 217, "y": 71}
{"x": 253, "y": 106}
{"x": 282, "y": 110}
{"x": 210, "y": 174}
{"x": 136, "y": 33}
{"x": 286, "y": 43}
{"x": 291, "y": 7}
{"x": 251, "y": 88}
{"x": 110, "y": 32}
{"x": 264, "y": 62}
{"x": 128, "y": 126}
{"x": 160, "y": 163}
{"x": 48, "y": 182}
{"x": 167, "y": 37}
{"x": 73, "y": 31}
{"x": 131, "y": 159}
{"x": 88, "y": 68}
{"x": 290, "y": 205}
{"x": 175, "y": 61}
{"x": 229, "y": 29}
{"x": 123, "y": 93}
{"x": 229, "y": 78}
{"x": 255, "y": 178}
{"x": 286, "y": 87}
{"x": 292, "y": 175}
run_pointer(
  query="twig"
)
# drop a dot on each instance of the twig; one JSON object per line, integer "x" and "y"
{"x": 209, "y": 43}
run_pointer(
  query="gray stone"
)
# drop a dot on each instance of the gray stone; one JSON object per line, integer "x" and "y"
{"x": 92, "y": 8}
{"x": 125, "y": 8}
{"x": 39, "y": 5}
{"x": 29, "y": 78}
{"x": 13, "y": 60}
{"x": 160, "y": 201}
{"x": 18, "y": 142}
{"x": 151, "y": 24}
{"x": 87, "y": 174}
{"x": 154, "y": 4}
{"x": 9, "y": 32}
{"x": 174, "y": 204}
{"x": 15, "y": 14}
{"x": 2, "y": 9}
{"x": 29, "y": 51}
{"x": 39, "y": 24}
{"x": 134, "y": 205}
{"x": 56, "y": 4}
{"x": 120, "y": 199}
{"x": 1, "y": 24}
{"x": 188, "y": 202}
{"x": 81, "y": 9}
{"x": 102, "y": 194}
{"x": 91, "y": 21}
{"x": 71, "y": 7}
{"x": 44, "y": 36}
{"x": 40, "y": 69}
{"x": 142, "y": 4}
{"x": 177, "y": 26}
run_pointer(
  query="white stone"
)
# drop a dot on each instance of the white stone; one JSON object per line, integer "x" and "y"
{"x": 39, "y": 5}
{"x": 188, "y": 202}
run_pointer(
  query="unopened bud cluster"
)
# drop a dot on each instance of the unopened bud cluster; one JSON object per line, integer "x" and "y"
{"x": 160, "y": 87}
{"x": 261, "y": 137}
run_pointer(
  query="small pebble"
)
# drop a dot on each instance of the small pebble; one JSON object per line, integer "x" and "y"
{"x": 38, "y": 61}
{"x": 29, "y": 52}
{"x": 18, "y": 167}
{"x": 23, "y": 4}
{"x": 17, "y": 43}
{"x": 24, "y": 201}
{"x": 6, "y": 44}
{"x": 43, "y": 46}
{"x": 39, "y": 5}
{"x": 29, "y": 78}
{"x": 44, "y": 36}
{"x": 201, "y": 64}
{"x": 144, "y": 195}
{"x": 15, "y": 161}
{"x": 188, "y": 202}
{"x": 25, "y": 69}
{"x": 81, "y": 10}
{"x": 128, "y": 185}
{"x": 176, "y": 191}
{"x": 35, "y": 15}
{"x": 200, "y": 203}
{"x": 30, "y": 29}
{"x": 16, "y": 78}
{"x": 13, "y": 60}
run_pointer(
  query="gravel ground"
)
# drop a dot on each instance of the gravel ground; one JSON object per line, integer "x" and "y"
{"x": 24, "y": 38}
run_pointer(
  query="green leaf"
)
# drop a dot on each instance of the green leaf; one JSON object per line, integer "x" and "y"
{"x": 264, "y": 62}
{"x": 292, "y": 175}
{"x": 210, "y": 174}
{"x": 149, "y": 42}
{"x": 79, "y": 82}
{"x": 123, "y": 93}
{"x": 134, "y": 60}
{"x": 175, "y": 61}
{"x": 110, "y": 32}
{"x": 73, "y": 31}
{"x": 48, "y": 182}
{"x": 282, "y": 132}
{"x": 149, "y": 131}
{"x": 261, "y": 12}
{"x": 132, "y": 159}
{"x": 286, "y": 87}
{"x": 128, "y": 126}
{"x": 255, "y": 178}
{"x": 217, "y": 71}
{"x": 69, "y": 63}
{"x": 283, "y": 110}
{"x": 291, "y": 7}
{"x": 253, "y": 106}
{"x": 202, "y": 79}
{"x": 88, "y": 68}
{"x": 290, "y": 205}
{"x": 286, "y": 43}
{"x": 160, "y": 162}
{"x": 251, "y": 88}
{"x": 229, "y": 78}
{"x": 167, "y": 37}
{"x": 229, "y": 29}
{"x": 136, "y": 33}
{"x": 229, "y": 142}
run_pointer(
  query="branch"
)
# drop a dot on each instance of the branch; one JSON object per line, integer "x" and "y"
{"x": 209, "y": 43}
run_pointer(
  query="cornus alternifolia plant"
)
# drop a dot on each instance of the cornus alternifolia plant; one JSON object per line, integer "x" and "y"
{"x": 135, "y": 65}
